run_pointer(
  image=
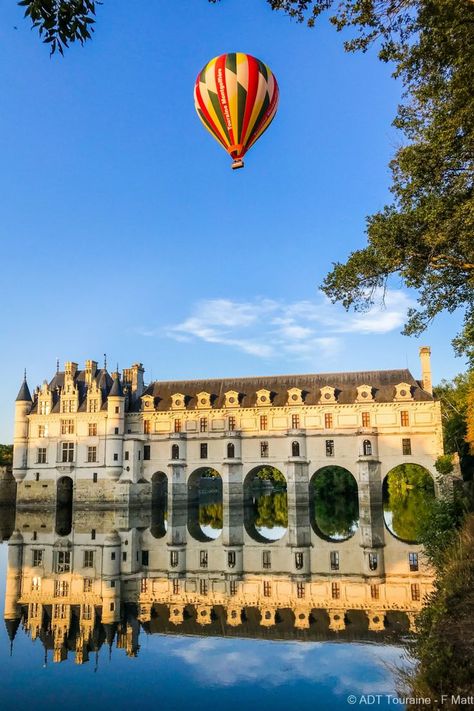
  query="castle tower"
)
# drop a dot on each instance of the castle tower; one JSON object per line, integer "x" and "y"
{"x": 23, "y": 405}
{"x": 115, "y": 429}
{"x": 12, "y": 614}
{"x": 112, "y": 553}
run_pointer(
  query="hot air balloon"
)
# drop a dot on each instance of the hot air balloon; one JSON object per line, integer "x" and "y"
{"x": 236, "y": 97}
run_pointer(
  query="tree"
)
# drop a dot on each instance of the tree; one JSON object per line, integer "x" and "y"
{"x": 457, "y": 400}
{"x": 61, "y": 22}
{"x": 6, "y": 455}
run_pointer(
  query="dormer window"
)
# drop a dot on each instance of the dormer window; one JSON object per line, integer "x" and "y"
{"x": 264, "y": 397}
{"x": 403, "y": 392}
{"x": 232, "y": 398}
{"x": 148, "y": 402}
{"x": 203, "y": 400}
{"x": 295, "y": 396}
{"x": 178, "y": 401}
{"x": 364, "y": 393}
{"x": 328, "y": 394}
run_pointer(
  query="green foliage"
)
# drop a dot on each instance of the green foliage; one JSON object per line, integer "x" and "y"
{"x": 444, "y": 464}
{"x": 454, "y": 397}
{"x": 407, "y": 495}
{"x": 61, "y": 22}
{"x": 211, "y": 515}
{"x": 6, "y": 455}
{"x": 272, "y": 510}
{"x": 442, "y": 646}
{"x": 336, "y": 504}
{"x": 271, "y": 474}
{"x": 438, "y": 524}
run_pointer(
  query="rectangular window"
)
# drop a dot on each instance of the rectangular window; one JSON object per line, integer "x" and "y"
{"x": 116, "y": 430}
{"x": 231, "y": 559}
{"x": 264, "y": 449}
{"x": 203, "y": 424}
{"x": 88, "y": 559}
{"x": 87, "y": 612}
{"x": 203, "y": 450}
{"x": 91, "y": 454}
{"x": 203, "y": 587}
{"x": 117, "y": 409}
{"x": 67, "y": 427}
{"x": 144, "y": 585}
{"x": 41, "y": 458}
{"x": 112, "y": 555}
{"x": 295, "y": 422}
{"x": 63, "y": 562}
{"x": 42, "y": 430}
{"x": 329, "y": 448}
{"x": 37, "y": 557}
{"x": 300, "y": 590}
{"x": 44, "y": 408}
{"x": 61, "y": 588}
{"x": 267, "y": 589}
{"x": 203, "y": 559}
{"x": 415, "y": 592}
{"x": 124, "y": 556}
{"x": 92, "y": 429}
{"x": 263, "y": 422}
{"x": 404, "y": 418}
{"x": 177, "y": 425}
{"x": 266, "y": 559}
{"x": 175, "y": 586}
{"x": 374, "y": 592}
{"x": 413, "y": 561}
{"x": 328, "y": 420}
{"x": 335, "y": 591}
{"x": 233, "y": 587}
{"x": 93, "y": 534}
{"x": 231, "y": 424}
{"x": 373, "y": 561}
{"x": 68, "y": 406}
{"x": 146, "y": 451}
{"x": 366, "y": 419}
{"x": 116, "y": 457}
{"x": 146, "y": 426}
{"x": 35, "y": 584}
{"x": 94, "y": 478}
{"x": 298, "y": 561}
{"x": 174, "y": 558}
{"x": 59, "y": 612}
{"x": 406, "y": 446}
{"x": 334, "y": 560}
{"x": 127, "y": 456}
{"x": 67, "y": 452}
{"x": 93, "y": 405}
{"x": 145, "y": 558}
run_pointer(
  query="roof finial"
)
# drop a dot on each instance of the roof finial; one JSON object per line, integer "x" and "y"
{"x": 57, "y": 366}
{"x": 117, "y": 370}
{"x": 24, "y": 376}
{"x": 105, "y": 361}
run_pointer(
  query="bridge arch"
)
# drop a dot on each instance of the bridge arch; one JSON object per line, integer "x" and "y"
{"x": 407, "y": 491}
{"x": 334, "y": 503}
{"x": 265, "y": 504}
{"x": 205, "y": 507}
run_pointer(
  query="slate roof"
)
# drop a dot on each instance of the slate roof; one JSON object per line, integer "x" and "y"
{"x": 24, "y": 394}
{"x": 383, "y": 384}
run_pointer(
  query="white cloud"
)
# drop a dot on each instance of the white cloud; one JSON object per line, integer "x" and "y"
{"x": 267, "y": 328}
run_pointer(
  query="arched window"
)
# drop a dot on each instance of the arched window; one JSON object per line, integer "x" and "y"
{"x": 175, "y": 451}
{"x": 373, "y": 561}
{"x": 230, "y": 451}
{"x": 367, "y": 447}
{"x": 298, "y": 561}
{"x": 295, "y": 449}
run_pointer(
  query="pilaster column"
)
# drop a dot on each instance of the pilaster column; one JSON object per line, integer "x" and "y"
{"x": 177, "y": 515}
{"x": 371, "y": 521}
{"x": 299, "y": 528}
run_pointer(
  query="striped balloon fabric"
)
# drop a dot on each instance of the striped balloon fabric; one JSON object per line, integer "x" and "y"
{"x": 236, "y": 97}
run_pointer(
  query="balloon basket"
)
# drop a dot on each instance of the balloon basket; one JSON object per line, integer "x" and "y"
{"x": 239, "y": 163}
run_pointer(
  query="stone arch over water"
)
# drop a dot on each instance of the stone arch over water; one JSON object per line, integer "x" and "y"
{"x": 205, "y": 508}
{"x": 407, "y": 491}
{"x": 159, "y": 505}
{"x": 64, "y": 500}
{"x": 265, "y": 504}
{"x": 334, "y": 503}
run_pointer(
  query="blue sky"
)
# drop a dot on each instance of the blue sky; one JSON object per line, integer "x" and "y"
{"x": 124, "y": 230}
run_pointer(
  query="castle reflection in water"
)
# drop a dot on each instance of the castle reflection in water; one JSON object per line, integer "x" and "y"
{"x": 81, "y": 579}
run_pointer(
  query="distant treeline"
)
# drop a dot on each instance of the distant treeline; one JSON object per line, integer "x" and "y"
{"x": 6, "y": 455}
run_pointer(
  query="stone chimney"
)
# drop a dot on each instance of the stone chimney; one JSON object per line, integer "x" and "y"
{"x": 91, "y": 369}
{"x": 133, "y": 377}
{"x": 70, "y": 369}
{"x": 425, "y": 358}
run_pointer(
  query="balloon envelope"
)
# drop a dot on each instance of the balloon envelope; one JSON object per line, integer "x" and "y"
{"x": 236, "y": 97}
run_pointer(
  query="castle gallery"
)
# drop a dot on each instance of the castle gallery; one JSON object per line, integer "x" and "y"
{"x": 106, "y": 445}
